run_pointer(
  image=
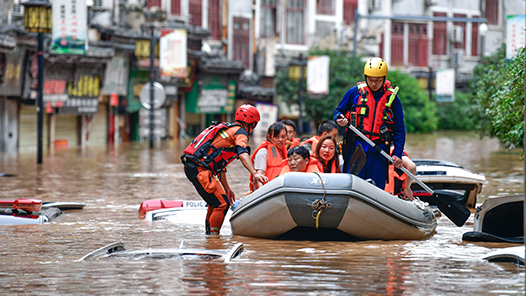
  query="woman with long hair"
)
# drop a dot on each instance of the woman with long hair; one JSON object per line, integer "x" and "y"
{"x": 325, "y": 153}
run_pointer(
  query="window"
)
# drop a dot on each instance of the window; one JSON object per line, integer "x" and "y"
{"x": 214, "y": 19}
{"x": 242, "y": 41}
{"x": 176, "y": 7}
{"x": 295, "y": 22}
{"x": 349, "y": 9}
{"x": 397, "y": 43}
{"x": 268, "y": 18}
{"x": 325, "y": 7}
{"x": 152, "y": 3}
{"x": 439, "y": 35}
{"x": 196, "y": 10}
{"x": 418, "y": 45}
{"x": 492, "y": 12}
{"x": 463, "y": 25}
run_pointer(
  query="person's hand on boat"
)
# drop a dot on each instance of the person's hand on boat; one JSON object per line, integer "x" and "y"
{"x": 260, "y": 180}
{"x": 231, "y": 195}
{"x": 397, "y": 162}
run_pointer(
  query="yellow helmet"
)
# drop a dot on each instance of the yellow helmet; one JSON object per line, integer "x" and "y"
{"x": 375, "y": 67}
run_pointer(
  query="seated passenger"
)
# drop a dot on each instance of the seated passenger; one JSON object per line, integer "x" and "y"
{"x": 291, "y": 133}
{"x": 299, "y": 160}
{"x": 269, "y": 155}
{"x": 328, "y": 127}
{"x": 328, "y": 159}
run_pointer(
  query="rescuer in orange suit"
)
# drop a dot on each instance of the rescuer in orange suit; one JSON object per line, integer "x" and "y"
{"x": 207, "y": 157}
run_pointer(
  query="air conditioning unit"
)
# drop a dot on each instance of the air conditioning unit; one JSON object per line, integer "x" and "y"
{"x": 457, "y": 34}
{"x": 458, "y": 57}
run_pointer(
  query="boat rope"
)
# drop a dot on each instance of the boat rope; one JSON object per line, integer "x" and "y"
{"x": 320, "y": 205}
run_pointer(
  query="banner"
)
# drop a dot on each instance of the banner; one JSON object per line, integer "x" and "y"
{"x": 318, "y": 75}
{"x": 70, "y": 24}
{"x": 515, "y": 37}
{"x": 172, "y": 60}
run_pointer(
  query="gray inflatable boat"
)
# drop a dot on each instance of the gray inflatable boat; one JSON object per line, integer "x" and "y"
{"x": 330, "y": 207}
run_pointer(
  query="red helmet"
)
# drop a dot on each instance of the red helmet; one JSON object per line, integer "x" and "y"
{"x": 247, "y": 113}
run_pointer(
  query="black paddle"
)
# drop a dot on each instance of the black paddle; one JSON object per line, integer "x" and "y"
{"x": 454, "y": 210}
{"x": 357, "y": 161}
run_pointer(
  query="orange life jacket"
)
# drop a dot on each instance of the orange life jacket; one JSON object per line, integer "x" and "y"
{"x": 275, "y": 158}
{"x": 313, "y": 141}
{"x": 396, "y": 179}
{"x": 311, "y": 167}
{"x": 371, "y": 114}
{"x": 295, "y": 142}
{"x": 333, "y": 166}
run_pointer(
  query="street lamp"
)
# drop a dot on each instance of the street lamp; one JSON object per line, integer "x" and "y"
{"x": 37, "y": 18}
{"x": 297, "y": 72}
{"x": 483, "y": 30}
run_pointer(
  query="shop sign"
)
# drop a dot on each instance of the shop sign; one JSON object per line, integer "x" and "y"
{"x": 142, "y": 49}
{"x": 173, "y": 61}
{"x": 79, "y": 106}
{"x": 83, "y": 95}
{"x": 12, "y": 85}
{"x": 116, "y": 76}
{"x": 55, "y": 90}
{"x": 70, "y": 27}
{"x": 213, "y": 99}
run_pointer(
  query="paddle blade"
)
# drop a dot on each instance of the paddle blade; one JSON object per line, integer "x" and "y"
{"x": 454, "y": 210}
{"x": 357, "y": 161}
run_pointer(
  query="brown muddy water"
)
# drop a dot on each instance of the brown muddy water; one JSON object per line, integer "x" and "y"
{"x": 41, "y": 259}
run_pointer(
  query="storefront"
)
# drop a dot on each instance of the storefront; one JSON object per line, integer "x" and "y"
{"x": 12, "y": 69}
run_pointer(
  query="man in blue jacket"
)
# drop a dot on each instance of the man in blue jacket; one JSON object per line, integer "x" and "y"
{"x": 373, "y": 108}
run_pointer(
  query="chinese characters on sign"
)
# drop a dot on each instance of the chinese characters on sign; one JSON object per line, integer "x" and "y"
{"x": 173, "y": 53}
{"x": 69, "y": 27}
{"x": 515, "y": 37}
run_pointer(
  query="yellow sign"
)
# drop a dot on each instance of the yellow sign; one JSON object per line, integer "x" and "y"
{"x": 142, "y": 49}
{"x": 85, "y": 86}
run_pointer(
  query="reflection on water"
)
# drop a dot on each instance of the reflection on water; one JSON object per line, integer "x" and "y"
{"x": 41, "y": 259}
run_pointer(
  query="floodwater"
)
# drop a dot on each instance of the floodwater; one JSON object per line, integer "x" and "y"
{"x": 41, "y": 259}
